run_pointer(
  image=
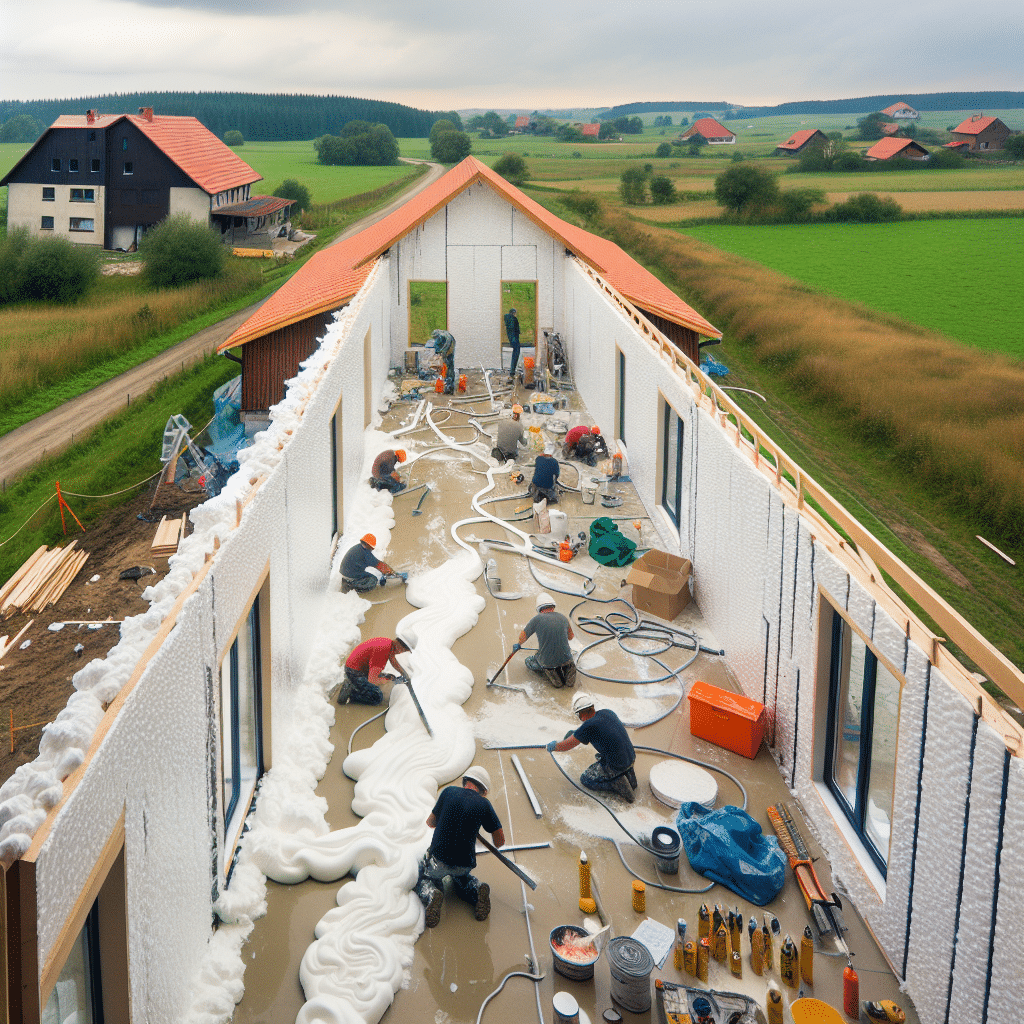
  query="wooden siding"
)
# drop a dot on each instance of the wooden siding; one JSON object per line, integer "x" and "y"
{"x": 995, "y": 135}
{"x": 686, "y": 340}
{"x": 269, "y": 361}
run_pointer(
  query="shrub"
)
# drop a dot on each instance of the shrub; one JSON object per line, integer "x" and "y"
{"x": 849, "y": 161}
{"x": 946, "y": 159}
{"x": 451, "y": 147}
{"x": 744, "y": 187}
{"x": 45, "y": 269}
{"x": 584, "y": 203}
{"x": 359, "y": 144}
{"x": 179, "y": 250}
{"x": 867, "y": 208}
{"x": 233, "y": 138}
{"x": 444, "y": 125}
{"x": 512, "y": 167}
{"x": 576, "y": 154}
{"x": 663, "y": 150}
{"x": 795, "y": 205}
{"x": 633, "y": 186}
{"x": 662, "y": 190}
{"x": 738, "y": 158}
{"x": 296, "y": 191}
{"x": 1014, "y": 147}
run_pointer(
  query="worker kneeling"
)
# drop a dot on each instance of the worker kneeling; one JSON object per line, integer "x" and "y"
{"x": 553, "y": 659}
{"x": 383, "y": 476}
{"x": 363, "y": 668}
{"x": 361, "y": 570}
{"x": 613, "y": 767}
{"x": 585, "y": 444}
{"x": 457, "y": 817}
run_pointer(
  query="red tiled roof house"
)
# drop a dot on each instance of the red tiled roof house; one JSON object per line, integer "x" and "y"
{"x": 715, "y": 133}
{"x": 472, "y": 230}
{"x": 901, "y": 111}
{"x": 887, "y": 149}
{"x": 806, "y": 138}
{"x": 981, "y": 133}
{"x": 522, "y": 122}
{"x": 102, "y": 179}
{"x": 590, "y": 131}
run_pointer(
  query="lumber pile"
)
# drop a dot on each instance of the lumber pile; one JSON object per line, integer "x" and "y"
{"x": 168, "y": 535}
{"x": 41, "y": 579}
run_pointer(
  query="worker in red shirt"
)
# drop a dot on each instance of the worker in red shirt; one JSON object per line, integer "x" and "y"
{"x": 383, "y": 476}
{"x": 364, "y": 666}
{"x": 585, "y": 443}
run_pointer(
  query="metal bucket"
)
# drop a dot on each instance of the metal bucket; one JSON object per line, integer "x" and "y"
{"x": 588, "y": 492}
{"x": 666, "y": 842}
{"x": 630, "y": 964}
{"x": 570, "y": 968}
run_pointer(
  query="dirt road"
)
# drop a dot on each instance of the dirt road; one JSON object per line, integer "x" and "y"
{"x": 50, "y": 433}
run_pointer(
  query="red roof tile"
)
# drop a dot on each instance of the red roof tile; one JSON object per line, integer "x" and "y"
{"x": 891, "y": 111}
{"x": 523, "y": 121}
{"x": 797, "y": 139}
{"x": 709, "y": 128}
{"x": 333, "y": 276}
{"x": 591, "y": 129}
{"x": 885, "y": 149}
{"x": 974, "y": 126}
{"x": 194, "y": 148}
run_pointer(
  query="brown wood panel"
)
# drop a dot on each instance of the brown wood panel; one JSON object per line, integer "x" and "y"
{"x": 686, "y": 340}
{"x": 269, "y": 361}
{"x": 22, "y": 943}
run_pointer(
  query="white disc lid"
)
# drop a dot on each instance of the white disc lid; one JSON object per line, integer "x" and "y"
{"x": 676, "y": 782}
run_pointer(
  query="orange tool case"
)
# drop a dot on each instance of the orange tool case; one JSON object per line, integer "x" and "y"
{"x": 727, "y": 719}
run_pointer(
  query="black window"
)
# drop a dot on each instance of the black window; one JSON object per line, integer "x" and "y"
{"x": 95, "y": 166}
{"x": 128, "y": 167}
{"x": 55, "y": 164}
{"x": 73, "y": 166}
{"x": 124, "y": 145}
{"x": 860, "y": 751}
{"x": 47, "y": 224}
{"x": 622, "y": 396}
{"x": 49, "y": 194}
{"x": 83, "y": 195}
{"x": 672, "y": 465}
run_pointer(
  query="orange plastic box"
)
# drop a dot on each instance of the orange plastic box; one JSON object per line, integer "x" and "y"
{"x": 727, "y": 719}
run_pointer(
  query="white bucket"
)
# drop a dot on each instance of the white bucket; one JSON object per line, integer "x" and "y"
{"x": 559, "y": 524}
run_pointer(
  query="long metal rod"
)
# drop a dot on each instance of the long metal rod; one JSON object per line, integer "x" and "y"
{"x": 534, "y": 802}
{"x": 521, "y": 846}
{"x": 509, "y": 864}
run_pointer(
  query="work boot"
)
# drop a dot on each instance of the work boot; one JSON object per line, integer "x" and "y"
{"x": 625, "y": 790}
{"x": 483, "y": 902}
{"x": 345, "y": 692}
{"x": 432, "y": 915}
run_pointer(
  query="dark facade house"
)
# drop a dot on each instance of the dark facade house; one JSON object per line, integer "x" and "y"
{"x": 981, "y": 133}
{"x": 103, "y": 179}
{"x": 806, "y": 138}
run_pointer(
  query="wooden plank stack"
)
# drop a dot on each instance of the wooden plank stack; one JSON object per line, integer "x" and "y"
{"x": 41, "y": 579}
{"x": 168, "y": 535}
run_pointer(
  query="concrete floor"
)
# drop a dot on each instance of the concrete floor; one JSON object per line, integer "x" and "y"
{"x": 458, "y": 963}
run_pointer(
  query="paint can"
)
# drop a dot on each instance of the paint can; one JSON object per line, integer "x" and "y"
{"x": 571, "y": 969}
{"x": 665, "y": 842}
{"x": 588, "y": 492}
{"x": 630, "y": 964}
{"x": 566, "y": 1009}
{"x": 559, "y": 524}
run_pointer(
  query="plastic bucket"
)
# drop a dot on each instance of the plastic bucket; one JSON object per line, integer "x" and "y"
{"x": 630, "y": 964}
{"x": 559, "y": 524}
{"x": 571, "y": 968}
{"x": 588, "y": 493}
{"x": 666, "y": 842}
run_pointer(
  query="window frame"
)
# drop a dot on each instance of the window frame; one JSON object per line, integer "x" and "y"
{"x": 620, "y": 395}
{"x": 88, "y": 195}
{"x": 129, "y": 167}
{"x": 78, "y": 224}
{"x": 55, "y": 165}
{"x": 52, "y": 197}
{"x": 72, "y": 165}
{"x": 94, "y": 166}
{"x": 43, "y": 226}
{"x": 673, "y": 511}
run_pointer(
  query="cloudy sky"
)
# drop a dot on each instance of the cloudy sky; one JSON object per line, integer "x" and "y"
{"x": 535, "y": 53}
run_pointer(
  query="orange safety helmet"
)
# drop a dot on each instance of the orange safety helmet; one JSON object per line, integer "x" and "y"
{"x": 368, "y": 539}
{"x": 517, "y": 410}
{"x": 595, "y": 429}
{"x": 400, "y": 454}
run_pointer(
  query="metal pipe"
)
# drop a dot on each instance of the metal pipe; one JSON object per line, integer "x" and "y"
{"x": 534, "y": 802}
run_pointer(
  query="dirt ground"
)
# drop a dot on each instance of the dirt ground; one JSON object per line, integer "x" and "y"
{"x": 35, "y": 683}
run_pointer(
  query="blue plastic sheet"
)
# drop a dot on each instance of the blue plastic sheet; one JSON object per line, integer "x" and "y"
{"x": 728, "y": 846}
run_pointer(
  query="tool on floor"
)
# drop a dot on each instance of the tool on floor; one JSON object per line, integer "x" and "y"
{"x": 679, "y": 1003}
{"x": 884, "y": 1010}
{"x": 504, "y": 860}
{"x": 588, "y": 905}
{"x": 418, "y": 511}
{"x": 397, "y": 575}
{"x": 534, "y": 802}
{"x": 407, "y": 683}
{"x": 490, "y": 682}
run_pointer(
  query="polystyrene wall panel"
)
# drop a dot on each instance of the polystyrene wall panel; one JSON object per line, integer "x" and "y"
{"x": 479, "y": 216}
{"x": 474, "y": 304}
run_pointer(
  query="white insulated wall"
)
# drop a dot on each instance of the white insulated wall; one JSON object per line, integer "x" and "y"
{"x": 950, "y": 914}
{"x": 156, "y": 759}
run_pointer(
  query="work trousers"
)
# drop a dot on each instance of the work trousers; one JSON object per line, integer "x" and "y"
{"x": 600, "y": 776}
{"x": 449, "y": 378}
{"x": 363, "y": 583}
{"x": 388, "y": 483}
{"x": 558, "y": 675}
{"x": 358, "y": 689}
{"x": 514, "y": 345}
{"x": 433, "y": 872}
{"x": 550, "y": 493}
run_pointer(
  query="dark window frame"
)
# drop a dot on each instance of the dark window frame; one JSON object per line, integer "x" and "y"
{"x": 75, "y": 224}
{"x": 55, "y": 165}
{"x": 88, "y": 195}
{"x": 43, "y": 226}
{"x": 72, "y": 165}
{"x": 94, "y": 167}
{"x": 673, "y": 508}
{"x": 129, "y": 167}
{"x": 622, "y": 395}
{"x": 52, "y": 197}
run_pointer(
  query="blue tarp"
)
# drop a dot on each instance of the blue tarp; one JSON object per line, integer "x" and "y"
{"x": 728, "y": 846}
{"x": 227, "y": 433}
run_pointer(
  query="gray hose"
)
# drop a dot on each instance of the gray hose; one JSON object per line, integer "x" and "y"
{"x": 514, "y": 974}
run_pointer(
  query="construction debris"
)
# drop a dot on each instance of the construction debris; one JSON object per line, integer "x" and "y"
{"x": 168, "y": 535}
{"x": 41, "y": 579}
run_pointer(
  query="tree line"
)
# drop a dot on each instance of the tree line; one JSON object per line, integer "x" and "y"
{"x": 260, "y": 117}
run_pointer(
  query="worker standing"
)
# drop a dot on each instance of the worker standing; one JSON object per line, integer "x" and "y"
{"x": 363, "y": 668}
{"x": 553, "y": 631}
{"x": 585, "y": 444}
{"x": 457, "y": 817}
{"x": 512, "y": 333}
{"x": 361, "y": 569}
{"x": 545, "y": 477}
{"x": 383, "y": 476}
{"x": 612, "y": 769}
{"x": 444, "y": 346}
{"x": 510, "y": 436}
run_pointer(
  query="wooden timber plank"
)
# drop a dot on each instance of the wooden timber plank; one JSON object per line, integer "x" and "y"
{"x": 21, "y": 572}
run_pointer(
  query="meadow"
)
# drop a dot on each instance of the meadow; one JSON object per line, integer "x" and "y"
{"x": 958, "y": 277}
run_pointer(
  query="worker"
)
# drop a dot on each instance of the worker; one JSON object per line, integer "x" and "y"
{"x": 360, "y": 568}
{"x": 512, "y": 333}
{"x": 545, "y": 477}
{"x": 510, "y": 436}
{"x": 363, "y": 668}
{"x": 585, "y": 444}
{"x": 612, "y": 769}
{"x": 554, "y": 657}
{"x": 383, "y": 476}
{"x": 456, "y": 819}
{"x": 444, "y": 346}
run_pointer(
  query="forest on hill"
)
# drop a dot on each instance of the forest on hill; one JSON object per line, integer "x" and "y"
{"x": 260, "y": 117}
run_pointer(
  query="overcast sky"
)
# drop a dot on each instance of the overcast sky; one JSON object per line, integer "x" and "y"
{"x": 536, "y": 53}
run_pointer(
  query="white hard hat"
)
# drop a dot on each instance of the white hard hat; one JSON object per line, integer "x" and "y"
{"x": 479, "y": 775}
{"x": 581, "y": 702}
{"x": 545, "y": 601}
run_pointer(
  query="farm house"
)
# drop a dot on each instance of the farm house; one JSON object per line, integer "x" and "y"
{"x": 206, "y": 835}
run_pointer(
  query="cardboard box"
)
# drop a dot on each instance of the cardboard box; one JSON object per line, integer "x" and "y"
{"x": 727, "y": 719}
{"x": 661, "y": 584}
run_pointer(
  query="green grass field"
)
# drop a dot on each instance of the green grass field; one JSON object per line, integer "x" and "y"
{"x": 959, "y": 277}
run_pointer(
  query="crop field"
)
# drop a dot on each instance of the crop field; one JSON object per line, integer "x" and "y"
{"x": 958, "y": 277}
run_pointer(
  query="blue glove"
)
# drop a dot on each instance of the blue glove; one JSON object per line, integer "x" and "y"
{"x": 516, "y": 647}
{"x": 552, "y": 745}
{"x": 383, "y": 581}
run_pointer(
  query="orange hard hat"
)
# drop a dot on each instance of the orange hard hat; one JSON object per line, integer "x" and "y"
{"x": 369, "y": 539}
{"x": 517, "y": 409}
{"x": 400, "y": 453}
{"x": 595, "y": 429}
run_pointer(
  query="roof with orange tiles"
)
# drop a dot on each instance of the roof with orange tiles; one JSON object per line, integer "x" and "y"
{"x": 891, "y": 111}
{"x": 333, "y": 276}
{"x": 709, "y": 128}
{"x": 885, "y": 149}
{"x": 213, "y": 166}
{"x": 800, "y": 138}
{"x": 522, "y": 121}
{"x": 591, "y": 129}
{"x": 890, "y": 129}
{"x": 974, "y": 126}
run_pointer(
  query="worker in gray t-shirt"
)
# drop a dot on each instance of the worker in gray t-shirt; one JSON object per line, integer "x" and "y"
{"x": 510, "y": 436}
{"x": 554, "y": 657}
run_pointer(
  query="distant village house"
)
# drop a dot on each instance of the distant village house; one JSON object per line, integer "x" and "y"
{"x": 715, "y": 134}
{"x": 590, "y": 131}
{"x": 901, "y": 111}
{"x": 801, "y": 140}
{"x": 887, "y": 149}
{"x": 981, "y": 132}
